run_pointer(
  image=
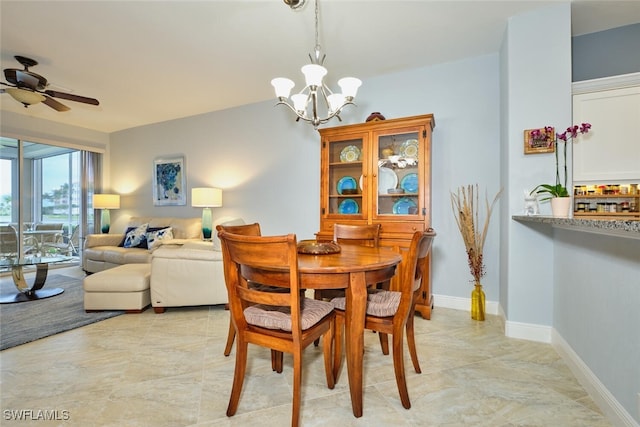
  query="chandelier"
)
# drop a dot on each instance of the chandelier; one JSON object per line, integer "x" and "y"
{"x": 305, "y": 103}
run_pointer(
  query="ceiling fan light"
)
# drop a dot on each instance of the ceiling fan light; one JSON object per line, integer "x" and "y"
{"x": 26, "y": 97}
{"x": 349, "y": 86}
{"x": 282, "y": 86}
{"x": 313, "y": 74}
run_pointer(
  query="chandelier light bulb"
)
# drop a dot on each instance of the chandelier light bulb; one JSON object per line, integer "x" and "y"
{"x": 336, "y": 100}
{"x": 349, "y": 86}
{"x": 282, "y": 86}
{"x": 299, "y": 102}
{"x": 313, "y": 74}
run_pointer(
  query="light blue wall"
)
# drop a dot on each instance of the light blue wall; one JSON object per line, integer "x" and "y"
{"x": 535, "y": 96}
{"x": 606, "y": 53}
{"x": 596, "y": 310}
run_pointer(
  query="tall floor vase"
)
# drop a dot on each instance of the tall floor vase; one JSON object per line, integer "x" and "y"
{"x": 477, "y": 302}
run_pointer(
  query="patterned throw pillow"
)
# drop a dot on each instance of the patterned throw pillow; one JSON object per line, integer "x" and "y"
{"x": 136, "y": 236}
{"x": 154, "y": 237}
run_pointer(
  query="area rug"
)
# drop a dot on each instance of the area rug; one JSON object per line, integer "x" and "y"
{"x": 24, "y": 322}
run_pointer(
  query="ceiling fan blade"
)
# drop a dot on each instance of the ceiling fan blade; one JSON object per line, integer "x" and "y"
{"x": 71, "y": 97}
{"x": 55, "y": 104}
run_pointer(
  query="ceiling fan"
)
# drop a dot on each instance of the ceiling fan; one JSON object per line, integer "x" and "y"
{"x": 30, "y": 88}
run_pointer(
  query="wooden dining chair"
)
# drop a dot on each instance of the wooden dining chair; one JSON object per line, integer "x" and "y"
{"x": 391, "y": 312}
{"x": 282, "y": 322}
{"x": 347, "y": 234}
{"x": 245, "y": 230}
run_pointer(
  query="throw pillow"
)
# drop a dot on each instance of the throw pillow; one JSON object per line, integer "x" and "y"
{"x": 121, "y": 244}
{"x": 136, "y": 236}
{"x": 154, "y": 236}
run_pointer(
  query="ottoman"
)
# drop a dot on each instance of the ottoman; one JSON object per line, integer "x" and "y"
{"x": 125, "y": 287}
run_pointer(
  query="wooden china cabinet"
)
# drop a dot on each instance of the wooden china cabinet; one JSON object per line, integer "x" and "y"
{"x": 379, "y": 172}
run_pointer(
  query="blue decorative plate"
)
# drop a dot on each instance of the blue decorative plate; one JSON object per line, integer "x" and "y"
{"x": 348, "y": 206}
{"x": 410, "y": 183}
{"x": 402, "y": 206}
{"x": 346, "y": 183}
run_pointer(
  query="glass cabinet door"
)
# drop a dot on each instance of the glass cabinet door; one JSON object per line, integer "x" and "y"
{"x": 345, "y": 177}
{"x": 398, "y": 182}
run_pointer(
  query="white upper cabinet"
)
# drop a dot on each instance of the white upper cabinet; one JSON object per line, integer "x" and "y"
{"x": 611, "y": 151}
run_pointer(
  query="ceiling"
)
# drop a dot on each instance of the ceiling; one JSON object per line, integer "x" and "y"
{"x": 152, "y": 61}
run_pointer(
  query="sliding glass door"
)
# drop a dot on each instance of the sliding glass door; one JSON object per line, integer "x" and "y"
{"x": 44, "y": 196}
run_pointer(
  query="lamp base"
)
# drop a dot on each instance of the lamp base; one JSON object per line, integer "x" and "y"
{"x": 105, "y": 221}
{"x": 207, "y": 224}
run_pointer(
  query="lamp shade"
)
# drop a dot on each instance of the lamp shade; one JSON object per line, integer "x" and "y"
{"x": 282, "y": 86}
{"x": 349, "y": 86}
{"x": 313, "y": 74}
{"x": 206, "y": 197}
{"x": 106, "y": 201}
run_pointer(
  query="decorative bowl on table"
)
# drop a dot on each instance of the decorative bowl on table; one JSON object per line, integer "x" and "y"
{"x": 313, "y": 247}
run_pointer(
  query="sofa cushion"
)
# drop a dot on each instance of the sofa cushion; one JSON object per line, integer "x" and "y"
{"x": 182, "y": 228}
{"x": 155, "y": 236}
{"x": 136, "y": 237}
{"x": 272, "y": 317}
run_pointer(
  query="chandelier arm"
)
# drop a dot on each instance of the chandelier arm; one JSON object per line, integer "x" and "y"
{"x": 285, "y": 103}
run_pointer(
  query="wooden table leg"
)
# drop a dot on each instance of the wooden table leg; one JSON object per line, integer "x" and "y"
{"x": 356, "y": 304}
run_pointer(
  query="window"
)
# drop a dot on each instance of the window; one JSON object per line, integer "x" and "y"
{"x": 43, "y": 183}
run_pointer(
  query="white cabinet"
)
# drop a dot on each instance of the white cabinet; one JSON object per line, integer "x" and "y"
{"x": 611, "y": 152}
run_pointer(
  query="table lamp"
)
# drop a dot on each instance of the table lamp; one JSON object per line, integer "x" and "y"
{"x": 206, "y": 197}
{"x": 106, "y": 202}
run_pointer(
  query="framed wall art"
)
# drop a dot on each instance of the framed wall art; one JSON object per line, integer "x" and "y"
{"x": 538, "y": 141}
{"x": 169, "y": 187}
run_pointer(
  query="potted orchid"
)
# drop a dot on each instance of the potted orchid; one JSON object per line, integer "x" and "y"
{"x": 559, "y": 189}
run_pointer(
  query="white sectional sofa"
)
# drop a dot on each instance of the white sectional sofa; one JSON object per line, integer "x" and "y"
{"x": 185, "y": 271}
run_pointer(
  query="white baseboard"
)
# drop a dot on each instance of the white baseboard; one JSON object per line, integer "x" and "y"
{"x": 598, "y": 392}
{"x": 459, "y": 303}
{"x": 528, "y": 331}
{"x": 525, "y": 331}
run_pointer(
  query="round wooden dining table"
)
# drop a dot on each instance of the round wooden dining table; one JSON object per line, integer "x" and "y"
{"x": 353, "y": 269}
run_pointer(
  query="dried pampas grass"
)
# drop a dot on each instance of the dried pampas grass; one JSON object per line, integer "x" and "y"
{"x": 465, "y": 209}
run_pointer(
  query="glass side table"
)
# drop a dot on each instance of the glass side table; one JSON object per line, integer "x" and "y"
{"x": 34, "y": 291}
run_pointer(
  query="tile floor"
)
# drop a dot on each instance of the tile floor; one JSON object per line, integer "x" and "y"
{"x": 168, "y": 370}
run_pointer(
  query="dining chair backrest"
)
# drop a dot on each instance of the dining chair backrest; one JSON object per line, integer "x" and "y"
{"x": 252, "y": 259}
{"x": 244, "y": 229}
{"x": 364, "y": 235}
{"x": 415, "y": 268}
{"x": 8, "y": 240}
{"x": 49, "y": 226}
{"x": 52, "y": 226}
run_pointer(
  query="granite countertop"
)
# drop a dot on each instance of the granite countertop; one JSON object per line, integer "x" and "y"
{"x": 621, "y": 228}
